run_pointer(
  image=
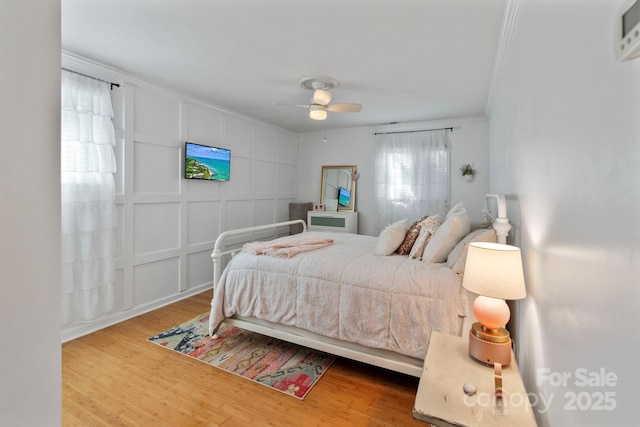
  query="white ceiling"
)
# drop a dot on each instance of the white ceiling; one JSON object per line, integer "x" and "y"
{"x": 403, "y": 60}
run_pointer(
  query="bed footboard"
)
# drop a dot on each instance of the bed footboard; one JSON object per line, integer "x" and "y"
{"x": 218, "y": 253}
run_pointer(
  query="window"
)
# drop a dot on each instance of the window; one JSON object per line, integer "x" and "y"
{"x": 88, "y": 198}
{"x": 412, "y": 175}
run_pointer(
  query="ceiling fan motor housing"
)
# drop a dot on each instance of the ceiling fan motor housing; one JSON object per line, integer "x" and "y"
{"x": 318, "y": 82}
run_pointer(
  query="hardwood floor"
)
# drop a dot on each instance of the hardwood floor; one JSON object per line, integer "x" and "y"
{"x": 114, "y": 377}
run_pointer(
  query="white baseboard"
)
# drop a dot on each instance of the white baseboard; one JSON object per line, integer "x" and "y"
{"x": 74, "y": 331}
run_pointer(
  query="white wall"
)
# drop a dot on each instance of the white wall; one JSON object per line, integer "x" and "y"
{"x": 356, "y": 146}
{"x": 565, "y": 134}
{"x": 168, "y": 225}
{"x": 30, "y": 379}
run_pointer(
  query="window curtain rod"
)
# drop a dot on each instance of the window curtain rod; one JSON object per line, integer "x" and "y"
{"x": 412, "y": 131}
{"x": 94, "y": 78}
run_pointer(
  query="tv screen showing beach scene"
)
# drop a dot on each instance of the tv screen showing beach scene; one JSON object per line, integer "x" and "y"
{"x": 344, "y": 197}
{"x": 208, "y": 163}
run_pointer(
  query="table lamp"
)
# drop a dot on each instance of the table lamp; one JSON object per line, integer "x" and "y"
{"x": 494, "y": 272}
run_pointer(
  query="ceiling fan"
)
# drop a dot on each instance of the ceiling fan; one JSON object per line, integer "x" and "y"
{"x": 319, "y": 105}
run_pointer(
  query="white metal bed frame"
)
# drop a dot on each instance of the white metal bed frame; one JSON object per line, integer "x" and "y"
{"x": 372, "y": 356}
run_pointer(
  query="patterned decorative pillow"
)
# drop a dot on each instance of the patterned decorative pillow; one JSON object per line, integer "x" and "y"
{"x": 428, "y": 227}
{"x": 431, "y": 223}
{"x": 410, "y": 238}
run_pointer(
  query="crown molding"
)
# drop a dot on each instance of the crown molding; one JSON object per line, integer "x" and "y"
{"x": 504, "y": 43}
{"x": 104, "y": 72}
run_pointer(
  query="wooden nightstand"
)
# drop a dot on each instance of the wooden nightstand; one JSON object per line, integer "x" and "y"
{"x": 442, "y": 402}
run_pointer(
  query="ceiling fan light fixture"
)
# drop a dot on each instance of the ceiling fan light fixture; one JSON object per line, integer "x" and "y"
{"x": 317, "y": 112}
{"x": 321, "y": 96}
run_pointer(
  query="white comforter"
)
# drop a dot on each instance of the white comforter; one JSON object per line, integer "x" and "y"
{"x": 344, "y": 292}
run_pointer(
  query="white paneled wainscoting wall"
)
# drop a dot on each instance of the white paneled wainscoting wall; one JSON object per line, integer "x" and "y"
{"x": 167, "y": 225}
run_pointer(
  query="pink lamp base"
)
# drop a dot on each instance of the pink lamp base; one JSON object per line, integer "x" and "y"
{"x": 489, "y": 352}
{"x": 493, "y": 313}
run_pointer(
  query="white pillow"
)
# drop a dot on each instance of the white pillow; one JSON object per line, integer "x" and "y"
{"x": 458, "y": 256}
{"x": 455, "y": 226}
{"x": 391, "y": 238}
{"x": 455, "y": 209}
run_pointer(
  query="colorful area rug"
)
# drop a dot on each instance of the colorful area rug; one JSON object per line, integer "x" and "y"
{"x": 283, "y": 366}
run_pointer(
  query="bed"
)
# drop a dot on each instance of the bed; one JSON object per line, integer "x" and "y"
{"x": 347, "y": 299}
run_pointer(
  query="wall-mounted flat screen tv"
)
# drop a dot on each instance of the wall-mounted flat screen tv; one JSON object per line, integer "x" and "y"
{"x": 208, "y": 163}
{"x": 344, "y": 197}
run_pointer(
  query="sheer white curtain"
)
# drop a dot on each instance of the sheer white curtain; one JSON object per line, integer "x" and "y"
{"x": 411, "y": 175}
{"x": 88, "y": 198}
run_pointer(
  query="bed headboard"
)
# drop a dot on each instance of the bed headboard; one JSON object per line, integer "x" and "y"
{"x": 500, "y": 222}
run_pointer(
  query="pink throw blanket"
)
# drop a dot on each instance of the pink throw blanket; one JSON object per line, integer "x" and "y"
{"x": 287, "y": 247}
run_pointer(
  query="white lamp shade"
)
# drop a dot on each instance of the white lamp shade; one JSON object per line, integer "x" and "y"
{"x": 494, "y": 270}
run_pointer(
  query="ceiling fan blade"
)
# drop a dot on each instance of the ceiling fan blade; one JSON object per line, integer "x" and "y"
{"x": 321, "y": 96}
{"x": 344, "y": 108}
{"x": 292, "y": 105}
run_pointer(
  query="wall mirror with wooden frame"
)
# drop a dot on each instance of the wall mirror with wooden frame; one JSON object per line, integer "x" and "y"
{"x": 338, "y": 188}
